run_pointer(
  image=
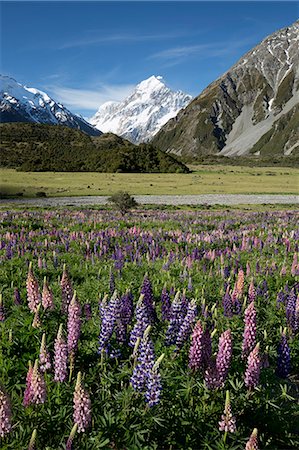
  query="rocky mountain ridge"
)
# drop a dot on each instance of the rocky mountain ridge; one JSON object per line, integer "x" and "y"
{"x": 242, "y": 111}
{"x": 20, "y": 103}
{"x": 141, "y": 115}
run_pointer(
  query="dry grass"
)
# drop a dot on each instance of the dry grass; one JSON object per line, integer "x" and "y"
{"x": 204, "y": 180}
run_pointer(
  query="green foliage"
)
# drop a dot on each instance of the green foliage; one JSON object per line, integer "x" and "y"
{"x": 35, "y": 147}
{"x": 123, "y": 201}
{"x": 188, "y": 415}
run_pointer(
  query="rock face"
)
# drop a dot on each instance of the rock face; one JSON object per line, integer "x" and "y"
{"x": 252, "y": 108}
{"x": 141, "y": 115}
{"x": 23, "y": 104}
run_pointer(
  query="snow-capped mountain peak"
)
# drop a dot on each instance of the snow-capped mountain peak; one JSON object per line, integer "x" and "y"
{"x": 19, "y": 103}
{"x": 141, "y": 115}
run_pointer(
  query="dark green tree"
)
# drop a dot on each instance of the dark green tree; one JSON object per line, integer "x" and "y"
{"x": 123, "y": 201}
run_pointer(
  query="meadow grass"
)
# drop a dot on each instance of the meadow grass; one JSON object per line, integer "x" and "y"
{"x": 203, "y": 180}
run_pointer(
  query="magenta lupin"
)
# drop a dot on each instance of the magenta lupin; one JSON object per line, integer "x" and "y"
{"x": 196, "y": 348}
{"x": 60, "y": 357}
{"x": 82, "y": 406}
{"x": 5, "y": 413}
{"x": 249, "y": 336}
{"x": 224, "y": 356}
{"x": 252, "y": 373}
{"x": 73, "y": 325}
{"x": 33, "y": 294}
{"x": 27, "y": 400}
{"x": 251, "y": 292}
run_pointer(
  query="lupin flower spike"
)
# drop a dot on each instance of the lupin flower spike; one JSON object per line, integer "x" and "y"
{"x": 44, "y": 356}
{"x": 228, "y": 421}
{"x": 32, "y": 440}
{"x": 82, "y": 406}
{"x": 252, "y": 443}
{"x": 5, "y": 414}
{"x": 60, "y": 357}
{"x": 36, "y": 320}
{"x": 69, "y": 444}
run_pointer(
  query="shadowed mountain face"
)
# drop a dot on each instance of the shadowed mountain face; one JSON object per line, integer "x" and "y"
{"x": 22, "y": 104}
{"x": 41, "y": 147}
{"x": 247, "y": 108}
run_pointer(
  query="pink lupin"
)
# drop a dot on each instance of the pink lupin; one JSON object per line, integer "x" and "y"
{"x": 33, "y": 294}
{"x": 44, "y": 356}
{"x": 60, "y": 357}
{"x": 228, "y": 421}
{"x": 47, "y": 296}
{"x": 38, "y": 385}
{"x": 252, "y": 443}
{"x": 252, "y": 373}
{"x": 196, "y": 348}
{"x": 27, "y": 400}
{"x": 249, "y": 335}
{"x": 82, "y": 406}
{"x": 5, "y": 414}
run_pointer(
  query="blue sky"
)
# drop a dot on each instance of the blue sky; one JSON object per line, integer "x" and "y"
{"x": 85, "y": 53}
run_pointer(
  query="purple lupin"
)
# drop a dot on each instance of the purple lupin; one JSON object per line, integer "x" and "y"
{"x": 252, "y": 373}
{"x": 17, "y": 297}
{"x": 284, "y": 358}
{"x": 153, "y": 384}
{"x": 142, "y": 321}
{"x": 145, "y": 362}
{"x": 60, "y": 357}
{"x": 249, "y": 336}
{"x": 224, "y": 356}
{"x": 165, "y": 304}
{"x": 2, "y": 312}
{"x": 187, "y": 324}
{"x": 82, "y": 406}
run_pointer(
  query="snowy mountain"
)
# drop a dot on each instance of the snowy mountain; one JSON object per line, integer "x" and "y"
{"x": 141, "y": 115}
{"x": 20, "y": 103}
{"x": 253, "y": 108}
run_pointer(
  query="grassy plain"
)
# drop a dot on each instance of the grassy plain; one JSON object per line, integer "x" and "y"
{"x": 203, "y": 180}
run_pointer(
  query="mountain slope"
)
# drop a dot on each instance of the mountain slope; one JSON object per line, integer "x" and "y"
{"x": 233, "y": 113}
{"x": 40, "y": 147}
{"x": 22, "y": 104}
{"x": 141, "y": 115}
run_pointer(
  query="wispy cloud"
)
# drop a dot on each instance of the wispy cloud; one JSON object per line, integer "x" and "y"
{"x": 89, "y": 99}
{"x": 176, "y": 55}
{"x": 94, "y": 39}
